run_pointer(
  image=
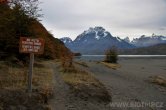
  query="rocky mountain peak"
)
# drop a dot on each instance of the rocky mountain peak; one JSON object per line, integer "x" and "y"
{"x": 66, "y": 40}
{"x": 96, "y": 41}
{"x": 145, "y": 41}
{"x": 96, "y": 33}
{"x": 127, "y": 39}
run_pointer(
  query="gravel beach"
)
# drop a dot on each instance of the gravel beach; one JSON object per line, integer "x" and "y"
{"x": 131, "y": 82}
{"x": 130, "y": 85}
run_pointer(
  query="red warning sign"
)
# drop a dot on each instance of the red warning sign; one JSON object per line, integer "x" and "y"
{"x": 31, "y": 45}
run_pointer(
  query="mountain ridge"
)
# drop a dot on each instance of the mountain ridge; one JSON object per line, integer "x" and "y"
{"x": 96, "y": 41}
{"x": 151, "y": 50}
{"x": 145, "y": 41}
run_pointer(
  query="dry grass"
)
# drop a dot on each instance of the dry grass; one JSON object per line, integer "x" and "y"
{"x": 43, "y": 75}
{"x": 14, "y": 79}
{"x": 111, "y": 65}
{"x": 159, "y": 80}
{"x": 80, "y": 77}
{"x": 67, "y": 69}
{"x": 86, "y": 86}
{"x": 81, "y": 63}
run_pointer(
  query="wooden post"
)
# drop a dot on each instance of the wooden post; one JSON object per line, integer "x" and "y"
{"x": 32, "y": 46}
{"x": 30, "y": 73}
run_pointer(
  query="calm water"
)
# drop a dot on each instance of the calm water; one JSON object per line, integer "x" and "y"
{"x": 101, "y": 57}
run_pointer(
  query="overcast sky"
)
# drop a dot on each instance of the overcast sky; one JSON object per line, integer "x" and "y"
{"x": 132, "y": 18}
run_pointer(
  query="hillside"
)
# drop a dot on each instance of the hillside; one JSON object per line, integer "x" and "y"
{"x": 151, "y": 50}
{"x": 15, "y": 23}
{"x": 54, "y": 48}
{"x": 14, "y": 95}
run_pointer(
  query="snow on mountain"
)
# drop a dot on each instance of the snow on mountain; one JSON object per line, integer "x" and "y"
{"x": 145, "y": 41}
{"x": 105, "y": 34}
{"x": 119, "y": 39}
{"x": 127, "y": 39}
{"x": 97, "y": 32}
{"x": 163, "y": 38}
{"x": 96, "y": 41}
{"x": 66, "y": 40}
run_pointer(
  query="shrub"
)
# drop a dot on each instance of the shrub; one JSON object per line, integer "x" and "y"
{"x": 111, "y": 55}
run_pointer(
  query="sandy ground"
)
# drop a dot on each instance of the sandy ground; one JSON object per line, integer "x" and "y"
{"x": 64, "y": 99}
{"x": 130, "y": 83}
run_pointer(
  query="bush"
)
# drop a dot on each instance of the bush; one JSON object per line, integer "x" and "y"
{"x": 111, "y": 56}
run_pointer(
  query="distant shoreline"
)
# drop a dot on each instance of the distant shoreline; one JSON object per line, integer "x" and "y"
{"x": 102, "y": 57}
{"x": 126, "y": 55}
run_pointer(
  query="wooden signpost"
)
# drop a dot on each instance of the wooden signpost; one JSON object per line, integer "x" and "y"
{"x": 31, "y": 46}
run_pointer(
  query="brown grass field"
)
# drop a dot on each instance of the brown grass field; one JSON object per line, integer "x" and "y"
{"x": 13, "y": 86}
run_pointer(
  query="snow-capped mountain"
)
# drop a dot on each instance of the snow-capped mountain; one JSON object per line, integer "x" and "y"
{"x": 96, "y": 41}
{"x": 96, "y": 33}
{"x": 127, "y": 39}
{"x": 67, "y": 41}
{"x": 145, "y": 41}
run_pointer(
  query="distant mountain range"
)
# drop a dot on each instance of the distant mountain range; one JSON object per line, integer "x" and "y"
{"x": 97, "y": 40}
{"x": 145, "y": 41}
{"x": 159, "y": 49}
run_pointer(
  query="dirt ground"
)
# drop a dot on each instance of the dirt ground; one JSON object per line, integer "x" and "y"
{"x": 132, "y": 81}
{"x": 77, "y": 97}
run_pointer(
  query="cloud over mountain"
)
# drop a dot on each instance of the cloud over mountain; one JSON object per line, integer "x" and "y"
{"x": 130, "y": 17}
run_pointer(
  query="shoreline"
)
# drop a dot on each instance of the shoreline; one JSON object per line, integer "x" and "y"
{"x": 120, "y": 57}
{"x": 126, "y": 55}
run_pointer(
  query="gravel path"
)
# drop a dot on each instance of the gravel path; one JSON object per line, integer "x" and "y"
{"x": 59, "y": 101}
{"x": 64, "y": 99}
{"x": 130, "y": 83}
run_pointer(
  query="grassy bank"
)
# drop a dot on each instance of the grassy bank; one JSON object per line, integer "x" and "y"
{"x": 13, "y": 86}
{"x": 111, "y": 65}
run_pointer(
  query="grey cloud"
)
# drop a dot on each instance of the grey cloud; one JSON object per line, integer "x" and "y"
{"x": 76, "y": 15}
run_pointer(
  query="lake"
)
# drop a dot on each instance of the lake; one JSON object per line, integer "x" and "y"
{"x": 101, "y": 57}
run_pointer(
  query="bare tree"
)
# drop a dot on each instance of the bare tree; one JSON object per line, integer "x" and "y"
{"x": 30, "y": 7}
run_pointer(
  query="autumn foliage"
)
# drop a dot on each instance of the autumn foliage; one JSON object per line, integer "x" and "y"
{"x": 16, "y": 23}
